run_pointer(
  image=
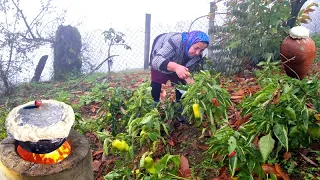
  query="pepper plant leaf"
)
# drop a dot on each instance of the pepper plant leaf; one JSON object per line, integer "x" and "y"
{"x": 266, "y": 145}
{"x": 233, "y": 164}
{"x": 282, "y": 135}
{"x": 232, "y": 144}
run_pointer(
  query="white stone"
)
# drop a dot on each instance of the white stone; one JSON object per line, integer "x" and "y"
{"x": 299, "y": 32}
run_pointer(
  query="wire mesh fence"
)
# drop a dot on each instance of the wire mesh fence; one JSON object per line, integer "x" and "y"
{"x": 95, "y": 48}
{"x": 314, "y": 24}
{"x": 135, "y": 38}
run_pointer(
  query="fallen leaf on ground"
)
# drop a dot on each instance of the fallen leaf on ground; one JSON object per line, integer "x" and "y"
{"x": 239, "y": 93}
{"x": 236, "y": 97}
{"x": 282, "y": 174}
{"x": 287, "y": 156}
{"x": 96, "y": 165}
{"x": 269, "y": 168}
{"x": 170, "y": 142}
{"x": 184, "y": 170}
{"x": 203, "y": 147}
{"x": 96, "y": 153}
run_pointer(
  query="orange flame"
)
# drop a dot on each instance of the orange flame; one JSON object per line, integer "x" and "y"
{"x": 50, "y": 158}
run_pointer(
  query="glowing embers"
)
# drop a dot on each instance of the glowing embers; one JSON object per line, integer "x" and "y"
{"x": 49, "y": 158}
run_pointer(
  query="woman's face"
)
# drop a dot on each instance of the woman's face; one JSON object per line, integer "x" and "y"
{"x": 197, "y": 48}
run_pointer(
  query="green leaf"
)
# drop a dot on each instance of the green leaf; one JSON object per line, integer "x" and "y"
{"x": 273, "y": 176}
{"x": 112, "y": 175}
{"x": 152, "y": 137}
{"x": 266, "y": 145}
{"x": 251, "y": 164}
{"x": 259, "y": 98}
{"x": 290, "y": 113}
{"x": 281, "y": 133}
{"x": 165, "y": 129}
{"x": 141, "y": 163}
{"x": 232, "y": 144}
{"x": 163, "y": 163}
{"x": 233, "y": 164}
{"x": 146, "y": 119}
{"x": 105, "y": 147}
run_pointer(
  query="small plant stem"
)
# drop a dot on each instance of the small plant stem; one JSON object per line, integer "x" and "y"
{"x": 96, "y": 68}
{"x": 288, "y": 60}
{"x": 177, "y": 177}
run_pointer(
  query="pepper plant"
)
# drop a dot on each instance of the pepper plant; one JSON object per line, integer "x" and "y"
{"x": 120, "y": 146}
{"x": 165, "y": 168}
{"x": 141, "y": 102}
{"x": 206, "y": 100}
{"x": 147, "y": 129}
{"x": 283, "y": 114}
{"x": 112, "y": 109}
{"x": 238, "y": 153}
{"x": 97, "y": 94}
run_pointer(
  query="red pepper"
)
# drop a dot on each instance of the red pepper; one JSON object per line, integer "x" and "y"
{"x": 215, "y": 102}
{"x": 233, "y": 153}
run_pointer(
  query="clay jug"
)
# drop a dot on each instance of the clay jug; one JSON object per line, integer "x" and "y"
{"x": 298, "y": 51}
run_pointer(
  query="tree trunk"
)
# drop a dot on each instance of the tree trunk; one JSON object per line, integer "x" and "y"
{"x": 67, "y": 49}
{"x": 5, "y": 81}
{"x": 295, "y": 9}
{"x": 39, "y": 68}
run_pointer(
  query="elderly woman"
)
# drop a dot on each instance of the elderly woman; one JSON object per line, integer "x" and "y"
{"x": 173, "y": 56}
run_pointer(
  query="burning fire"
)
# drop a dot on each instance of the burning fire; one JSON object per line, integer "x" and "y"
{"x": 50, "y": 158}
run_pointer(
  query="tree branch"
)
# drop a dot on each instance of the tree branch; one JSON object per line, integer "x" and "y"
{"x": 109, "y": 57}
{"x": 37, "y": 39}
{"x": 41, "y": 12}
{"x": 24, "y": 19}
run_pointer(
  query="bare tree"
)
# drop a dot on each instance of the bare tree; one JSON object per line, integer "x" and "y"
{"x": 21, "y": 35}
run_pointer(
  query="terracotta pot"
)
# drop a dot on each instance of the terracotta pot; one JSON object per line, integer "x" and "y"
{"x": 297, "y": 56}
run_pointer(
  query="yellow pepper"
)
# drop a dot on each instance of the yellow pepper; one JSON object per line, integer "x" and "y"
{"x": 126, "y": 146}
{"x": 196, "y": 110}
{"x": 151, "y": 170}
{"x": 317, "y": 116}
{"x": 120, "y": 145}
{"x": 148, "y": 162}
{"x": 142, "y": 132}
{"x": 117, "y": 144}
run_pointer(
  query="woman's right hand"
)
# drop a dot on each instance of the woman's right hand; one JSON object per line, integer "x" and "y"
{"x": 181, "y": 71}
{"x": 189, "y": 80}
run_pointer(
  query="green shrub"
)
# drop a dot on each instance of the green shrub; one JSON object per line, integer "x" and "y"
{"x": 253, "y": 31}
{"x": 316, "y": 39}
{"x": 3, "y": 114}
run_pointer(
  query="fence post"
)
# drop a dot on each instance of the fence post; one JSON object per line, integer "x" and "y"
{"x": 211, "y": 25}
{"x": 147, "y": 41}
